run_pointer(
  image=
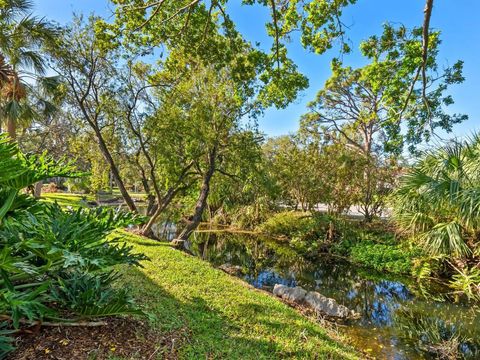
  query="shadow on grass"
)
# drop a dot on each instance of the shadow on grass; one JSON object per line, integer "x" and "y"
{"x": 233, "y": 328}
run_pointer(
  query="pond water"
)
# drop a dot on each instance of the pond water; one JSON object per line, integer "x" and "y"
{"x": 399, "y": 319}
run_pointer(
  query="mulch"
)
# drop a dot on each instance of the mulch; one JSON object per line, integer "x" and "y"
{"x": 122, "y": 337}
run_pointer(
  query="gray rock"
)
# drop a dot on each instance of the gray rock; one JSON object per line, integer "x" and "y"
{"x": 296, "y": 294}
{"x": 327, "y": 306}
{"x": 315, "y": 300}
{"x": 231, "y": 269}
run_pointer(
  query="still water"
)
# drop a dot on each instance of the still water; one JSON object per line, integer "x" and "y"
{"x": 399, "y": 318}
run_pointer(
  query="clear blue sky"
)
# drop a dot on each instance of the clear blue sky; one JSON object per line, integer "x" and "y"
{"x": 457, "y": 19}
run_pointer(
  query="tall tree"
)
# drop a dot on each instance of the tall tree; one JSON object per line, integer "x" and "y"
{"x": 382, "y": 103}
{"x": 383, "y": 107}
{"x": 89, "y": 73}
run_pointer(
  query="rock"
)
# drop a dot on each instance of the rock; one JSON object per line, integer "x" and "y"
{"x": 178, "y": 243}
{"x": 315, "y": 300}
{"x": 231, "y": 269}
{"x": 327, "y": 306}
{"x": 296, "y": 294}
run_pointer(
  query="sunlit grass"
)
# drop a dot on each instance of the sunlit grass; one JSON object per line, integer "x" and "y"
{"x": 79, "y": 200}
{"x": 66, "y": 199}
{"x": 220, "y": 316}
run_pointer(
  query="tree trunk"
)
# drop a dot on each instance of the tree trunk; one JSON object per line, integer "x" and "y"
{"x": 147, "y": 229}
{"x": 201, "y": 201}
{"x": 115, "y": 173}
{"x": 37, "y": 192}
{"x": 12, "y": 129}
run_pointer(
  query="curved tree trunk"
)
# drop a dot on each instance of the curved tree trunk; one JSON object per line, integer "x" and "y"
{"x": 115, "y": 173}
{"x": 193, "y": 223}
{"x": 147, "y": 229}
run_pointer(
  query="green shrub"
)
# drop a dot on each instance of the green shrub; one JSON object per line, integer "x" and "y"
{"x": 467, "y": 282}
{"x": 287, "y": 224}
{"x": 53, "y": 262}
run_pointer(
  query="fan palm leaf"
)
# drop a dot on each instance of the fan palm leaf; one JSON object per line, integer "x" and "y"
{"x": 438, "y": 200}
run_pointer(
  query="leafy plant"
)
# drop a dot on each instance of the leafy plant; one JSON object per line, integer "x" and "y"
{"x": 437, "y": 200}
{"x": 467, "y": 282}
{"x": 54, "y": 263}
{"x": 393, "y": 258}
{"x": 88, "y": 295}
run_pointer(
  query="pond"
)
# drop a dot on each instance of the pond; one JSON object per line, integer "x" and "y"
{"x": 399, "y": 319}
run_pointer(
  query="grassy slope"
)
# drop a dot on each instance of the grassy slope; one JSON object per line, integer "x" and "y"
{"x": 221, "y": 316}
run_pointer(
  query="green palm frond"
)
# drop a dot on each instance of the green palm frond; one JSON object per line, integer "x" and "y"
{"x": 445, "y": 238}
{"x": 438, "y": 200}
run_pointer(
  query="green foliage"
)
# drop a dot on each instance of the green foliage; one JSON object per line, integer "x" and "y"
{"x": 200, "y": 22}
{"x": 22, "y": 58}
{"x": 52, "y": 261}
{"x": 287, "y": 224}
{"x": 5, "y": 341}
{"x": 89, "y": 295}
{"x": 467, "y": 282}
{"x": 437, "y": 200}
{"x": 393, "y": 258}
{"x": 384, "y": 104}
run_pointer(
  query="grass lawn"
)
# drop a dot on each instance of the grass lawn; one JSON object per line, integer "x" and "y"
{"x": 217, "y": 316}
{"x": 66, "y": 199}
{"x": 75, "y": 200}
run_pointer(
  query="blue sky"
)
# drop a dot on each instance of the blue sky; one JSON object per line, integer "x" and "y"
{"x": 457, "y": 19}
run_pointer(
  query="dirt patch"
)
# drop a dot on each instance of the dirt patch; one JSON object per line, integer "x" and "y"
{"x": 121, "y": 338}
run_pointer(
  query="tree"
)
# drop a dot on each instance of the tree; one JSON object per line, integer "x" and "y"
{"x": 190, "y": 24}
{"x": 375, "y": 103}
{"x": 382, "y": 107}
{"x": 311, "y": 170}
{"x": 89, "y": 74}
{"x": 25, "y": 90}
{"x": 294, "y": 164}
{"x": 209, "y": 104}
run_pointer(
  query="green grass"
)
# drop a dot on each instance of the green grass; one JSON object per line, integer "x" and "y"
{"x": 66, "y": 199}
{"x": 75, "y": 200}
{"x": 219, "y": 316}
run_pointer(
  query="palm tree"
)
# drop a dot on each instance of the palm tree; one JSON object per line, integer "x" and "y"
{"x": 438, "y": 200}
{"x": 22, "y": 63}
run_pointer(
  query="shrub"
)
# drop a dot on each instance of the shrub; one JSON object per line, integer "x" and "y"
{"x": 286, "y": 224}
{"x": 53, "y": 262}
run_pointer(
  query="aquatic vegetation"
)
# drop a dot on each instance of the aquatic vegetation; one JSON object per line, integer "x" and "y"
{"x": 394, "y": 258}
{"x": 432, "y": 335}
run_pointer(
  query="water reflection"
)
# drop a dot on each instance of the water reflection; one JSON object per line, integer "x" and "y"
{"x": 379, "y": 298}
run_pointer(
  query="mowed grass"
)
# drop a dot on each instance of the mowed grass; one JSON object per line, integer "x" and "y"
{"x": 67, "y": 199}
{"x": 217, "y": 316}
{"x": 79, "y": 200}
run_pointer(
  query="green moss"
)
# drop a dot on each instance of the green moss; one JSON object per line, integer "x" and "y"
{"x": 220, "y": 316}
